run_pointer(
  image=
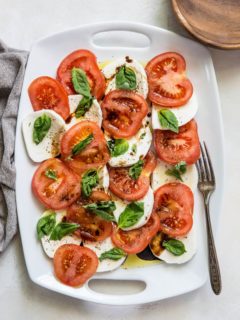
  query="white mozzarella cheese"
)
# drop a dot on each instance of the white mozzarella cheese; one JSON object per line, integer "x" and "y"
{"x": 51, "y": 246}
{"x": 112, "y": 68}
{"x": 100, "y": 247}
{"x": 93, "y": 114}
{"x": 138, "y": 147}
{"x": 190, "y": 244}
{"x": 183, "y": 114}
{"x": 159, "y": 177}
{"x": 148, "y": 201}
{"x": 103, "y": 179}
{"x": 49, "y": 147}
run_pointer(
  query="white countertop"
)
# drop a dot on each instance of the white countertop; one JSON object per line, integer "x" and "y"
{"x": 22, "y": 23}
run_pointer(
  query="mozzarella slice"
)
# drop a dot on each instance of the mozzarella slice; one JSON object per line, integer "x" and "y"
{"x": 159, "y": 177}
{"x": 93, "y": 114}
{"x": 190, "y": 244}
{"x": 138, "y": 147}
{"x": 103, "y": 179}
{"x": 112, "y": 68}
{"x": 183, "y": 114}
{"x": 49, "y": 147}
{"x": 148, "y": 201}
{"x": 101, "y": 247}
{"x": 51, "y": 246}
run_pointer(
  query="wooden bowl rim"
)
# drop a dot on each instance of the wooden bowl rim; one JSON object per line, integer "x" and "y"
{"x": 186, "y": 24}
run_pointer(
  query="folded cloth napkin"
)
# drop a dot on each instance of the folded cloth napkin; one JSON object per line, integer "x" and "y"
{"x": 12, "y": 67}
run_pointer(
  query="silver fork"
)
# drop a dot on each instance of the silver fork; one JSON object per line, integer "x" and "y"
{"x": 206, "y": 185}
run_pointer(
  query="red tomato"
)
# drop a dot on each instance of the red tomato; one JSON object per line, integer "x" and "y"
{"x": 125, "y": 187}
{"x": 56, "y": 193}
{"x": 150, "y": 163}
{"x": 173, "y": 203}
{"x": 87, "y": 61}
{"x": 74, "y": 265}
{"x": 135, "y": 241}
{"x": 168, "y": 85}
{"x": 47, "y": 93}
{"x": 175, "y": 147}
{"x": 94, "y": 155}
{"x": 123, "y": 112}
{"x": 92, "y": 227}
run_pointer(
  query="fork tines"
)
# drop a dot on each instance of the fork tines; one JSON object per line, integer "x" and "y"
{"x": 204, "y": 165}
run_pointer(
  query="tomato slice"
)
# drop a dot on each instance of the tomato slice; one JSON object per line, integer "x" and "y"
{"x": 175, "y": 147}
{"x": 173, "y": 203}
{"x": 56, "y": 193}
{"x": 168, "y": 85}
{"x": 94, "y": 155}
{"x": 74, "y": 265}
{"x": 87, "y": 61}
{"x": 47, "y": 93}
{"x": 125, "y": 187}
{"x": 135, "y": 241}
{"x": 92, "y": 227}
{"x": 123, "y": 112}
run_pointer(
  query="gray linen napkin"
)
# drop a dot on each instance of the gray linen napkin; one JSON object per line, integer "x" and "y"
{"x": 12, "y": 67}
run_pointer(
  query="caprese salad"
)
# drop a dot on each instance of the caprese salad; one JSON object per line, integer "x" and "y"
{"x": 116, "y": 148}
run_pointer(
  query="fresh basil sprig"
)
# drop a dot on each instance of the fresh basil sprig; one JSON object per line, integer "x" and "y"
{"x": 62, "y": 229}
{"x": 168, "y": 120}
{"x": 135, "y": 170}
{"x": 81, "y": 86}
{"x": 40, "y": 128}
{"x": 80, "y": 82}
{"x": 131, "y": 215}
{"x": 51, "y": 174}
{"x": 176, "y": 247}
{"x": 82, "y": 144}
{"x": 117, "y": 147}
{"x": 90, "y": 179}
{"x": 46, "y": 224}
{"x": 126, "y": 79}
{"x": 83, "y": 106}
{"x": 103, "y": 209}
{"x": 113, "y": 254}
{"x": 177, "y": 170}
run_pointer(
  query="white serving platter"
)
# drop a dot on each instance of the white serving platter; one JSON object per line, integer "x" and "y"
{"x": 111, "y": 40}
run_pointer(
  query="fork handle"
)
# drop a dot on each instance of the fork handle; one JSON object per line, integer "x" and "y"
{"x": 214, "y": 270}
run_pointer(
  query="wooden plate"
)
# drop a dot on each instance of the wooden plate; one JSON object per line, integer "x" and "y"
{"x": 216, "y": 22}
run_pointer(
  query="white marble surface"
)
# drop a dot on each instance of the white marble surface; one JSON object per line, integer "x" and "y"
{"x": 24, "y": 21}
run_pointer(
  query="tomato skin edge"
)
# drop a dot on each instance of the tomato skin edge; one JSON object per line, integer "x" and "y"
{"x": 71, "y": 279}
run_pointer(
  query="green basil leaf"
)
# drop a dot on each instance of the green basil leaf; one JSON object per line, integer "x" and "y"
{"x": 118, "y": 147}
{"x": 103, "y": 209}
{"x": 90, "y": 180}
{"x": 177, "y": 170}
{"x": 135, "y": 170}
{"x": 46, "y": 224}
{"x": 142, "y": 136}
{"x": 62, "y": 229}
{"x": 174, "y": 246}
{"x": 83, "y": 106}
{"x": 40, "y": 128}
{"x": 82, "y": 145}
{"x": 126, "y": 79}
{"x": 51, "y": 174}
{"x": 113, "y": 254}
{"x": 168, "y": 120}
{"x": 131, "y": 214}
{"x": 80, "y": 82}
